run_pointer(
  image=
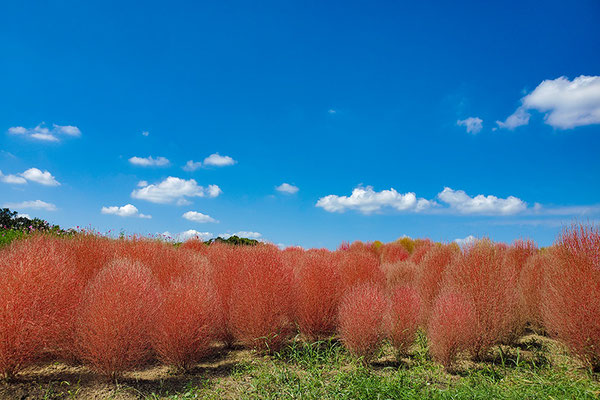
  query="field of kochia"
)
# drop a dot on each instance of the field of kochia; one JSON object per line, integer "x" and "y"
{"x": 117, "y": 305}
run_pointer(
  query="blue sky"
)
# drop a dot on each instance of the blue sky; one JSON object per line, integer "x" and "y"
{"x": 384, "y": 119}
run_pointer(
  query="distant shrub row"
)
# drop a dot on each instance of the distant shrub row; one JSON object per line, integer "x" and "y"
{"x": 116, "y": 304}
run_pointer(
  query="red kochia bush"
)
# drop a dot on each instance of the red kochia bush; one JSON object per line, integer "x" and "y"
{"x": 571, "y": 304}
{"x": 225, "y": 263}
{"x": 196, "y": 245}
{"x": 362, "y": 319}
{"x": 514, "y": 261}
{"x": 165, "y": 261}
{"x": 317, "y": 287}
{"x": 450, "y": 329}
{"x": 531, "y": 285}
{"x": 357, "y": 267}
{"x": 117, "y": 317}
{"x": 261, "y": 302}
{"x": 404, "y": 318}
{"x": 188, "y": 320}
{"x": 401, "y": 273}
{"x": 393, "y": 252}
{"x": 492, "y": 290}
{"x": 39, "y": 294}
{"x": 430, "y": 277}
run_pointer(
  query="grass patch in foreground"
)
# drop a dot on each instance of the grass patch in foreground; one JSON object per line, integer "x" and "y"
{"x": 537, "y": 369}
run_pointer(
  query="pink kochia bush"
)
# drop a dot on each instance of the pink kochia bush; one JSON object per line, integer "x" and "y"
{"x": 571, "y": 300}
{"x": 362, "y": 319}
{"x": 450, "y": 328}
{"x": 117, "y": 317}
{"x": 405, "y": 309}
{"x": 188, "y": 320}
{"x": 317, "y": 289}
{"x": 261, "y": 304}
{"x": 39, "y": 295}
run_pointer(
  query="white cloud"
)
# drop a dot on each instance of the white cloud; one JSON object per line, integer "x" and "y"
{"x": 217, "y": 160}
{"x": 242, "y": 234}
{"x": 32, "y": 205}
{"x": 149, "y": 161}
{"x": 466, "y": 241}
{"x": 488, "y": 205}
{"x": 142, "y": 183}
{"x": 23, "y": 215}
{"x": 214, "y": 191}
{"x": 566, "y": 104}
{"x": 68, "y": 130}
{"x": 174, "y": 190}
{"x": 33, "y": 175}
{"x": 41, "y": 177}
{"x": 287, "y": 188}
{"x": 40, "y": 132}
{"x": 198, "y": 217}
{"x": 145, "y": 133}
{"x": 331, "y": 111}
{"x": 128, "y": 210}
{"x": 191, "y": 233}
{"x": 366, "y": 201}
{"x": 14, "y": 179}
{"x": 473, "y": 124}
{"x": 192, "y": 165}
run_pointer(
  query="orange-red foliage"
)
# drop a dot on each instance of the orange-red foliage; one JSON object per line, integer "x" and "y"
{"x": 401, "y": 273}
{"x": 393, "y": 252}
{"x": 188, "y": 320}
{"x": 571, "y": 304}
{"x": 261, "y": 304}
{"x": 404, "y": 318}
{"x": 358, "y": 267}
{"x": 492, "y": 290}
{"x": 530, "y": 286}
{"x": 318, "y": 289}
{"x": 450, "y": 328}
{"x": 165, "y": 261}
{"x": 430, "y": 277}
{"x": 225, "y": 263}
{"x": 362, "y": 321}
{"x": 422, "y": 247}
{"x": 195, "y": 244}
{"x": 117, "y": 317}
{"x": 39, "y": 294}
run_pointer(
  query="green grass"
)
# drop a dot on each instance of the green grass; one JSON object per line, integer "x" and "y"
{"x": 8, "y": 235}
{"x": 325, "y": 370}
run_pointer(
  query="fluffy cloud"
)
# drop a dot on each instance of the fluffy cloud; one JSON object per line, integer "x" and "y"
{"x": 566, "y": 104}
{"x": 192, "y": 165}
{"x": 473, "y": 124}
{"x": 198, "y": 217}
{"x": 31, "y": 205}
{"x": 145, "y": 133}
{"x": 242, "y": 234}
{"x": 32, "y": 175}
{"x": 287, "y": 188}
{"x": 174, "y": 190}
{"x": 466, "y": 241}
{"x": 190, "y": 234}
{"x": 41, "y": 177}
{"x": 128, "y": 210}
{"x": 149, "y": 161}
{"x": 14, "y": 179}
{"x": 41, "y": 132}
{"x": 488, "y": 205}
{"x": 217, "y": 160}
{"x": 68, "y": 130}
{"x": 366, "y": 200}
